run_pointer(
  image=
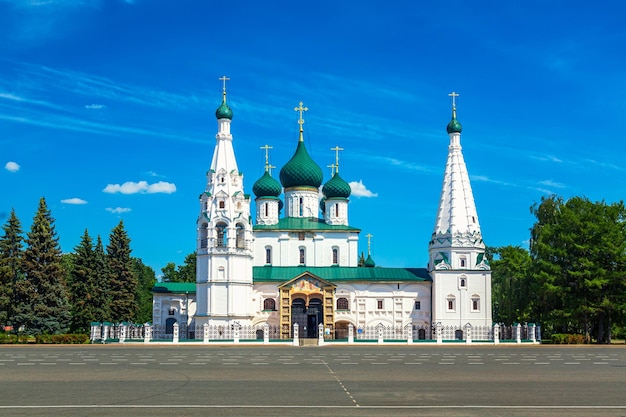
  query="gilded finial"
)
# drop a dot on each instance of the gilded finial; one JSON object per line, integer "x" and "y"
{"x": 224, "y": 79}
{"x": 454, "y": 96}
{"x": 301, "y": 109}
{"x": 267, "y": 158}
{"x": 369, "y": 243}
{"x": 336, "y": 149}
{"x": 332, "y": 169}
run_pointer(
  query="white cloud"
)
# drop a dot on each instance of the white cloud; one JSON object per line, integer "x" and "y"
{"x": 141, "y": 187}
{"x": 360, "y": 190}
{"x": 95, "y": 106}
{"x": 74, "y": 200}
{"x": 12, "y": 166}
{"x": 118, "y": 210}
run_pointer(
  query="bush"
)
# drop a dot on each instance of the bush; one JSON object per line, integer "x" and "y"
{"x": 66, "y": 339}
{"x": 567, "y": 339}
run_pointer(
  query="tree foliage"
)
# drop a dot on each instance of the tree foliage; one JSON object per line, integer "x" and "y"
{"x": 11, "y": 254}
{"x": 122, "y": 280}
{"x": 181, "y": 273}
{"x": 42, "y": 305}
{"x": 578, "y": 251}
{"x": 510, "y": 284}
{"x": 146, "y": 280}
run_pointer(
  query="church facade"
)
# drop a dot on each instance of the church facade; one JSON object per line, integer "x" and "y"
{"x": 295, "y": 260}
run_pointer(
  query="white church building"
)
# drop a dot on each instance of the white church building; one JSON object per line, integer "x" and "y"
{"x": 295, "y": 259}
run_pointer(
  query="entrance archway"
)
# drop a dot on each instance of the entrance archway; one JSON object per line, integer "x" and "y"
{"x": 308, "y": 316}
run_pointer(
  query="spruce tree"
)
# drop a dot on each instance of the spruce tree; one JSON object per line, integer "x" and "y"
{"x": 11, "y": 252}
{"x": 82, "y": 285}
{"x": 122, "y": 281}
{"x": 102, "y": 297}
{"x": 45, "y": 287}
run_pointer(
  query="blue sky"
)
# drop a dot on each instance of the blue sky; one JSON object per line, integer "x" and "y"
{"x": 95, "y": 94}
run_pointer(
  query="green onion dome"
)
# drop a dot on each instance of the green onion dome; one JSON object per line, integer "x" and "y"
{"x": 266, "y": 186}
{"x": 223, "y": 111}
{"x": 369, "y": 262}
{"x": 454, "y": 126}
{"x": 301, "y": 170}
{"x": 336, "y": 187}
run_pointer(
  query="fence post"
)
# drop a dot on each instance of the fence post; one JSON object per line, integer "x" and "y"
{"x": 105, "y": 332}
{"x": 147, "y": 333}
{"x": 350, "y": 333}
{"x": 205, "y": 333}
{"x": 518, "y": 333}
{"x": 122, "y": 333}
{"x": 531, "y": 330}
{"x": 175, "y": 333}
{"x": 380, "y": 334}
{"x": 409, "y": 337}
{"x": 496, "y": 334}
{"x": 266, "y": 334}
{"x": 236, "y": 332}
{"x": 320, "y": 334}
{"x": 439, "y": 332}
{"x": 296, "y": 342}
{"x": 468, "y": 334}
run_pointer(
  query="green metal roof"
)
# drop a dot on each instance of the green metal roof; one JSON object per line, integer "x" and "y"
{"x": 336, "y": 187}
{"x": 340, "y": 273}
{"x": 334, "y": 274}
{"x": 304, "y": 224}
{"x": 301, "y": 170}
{"x": 266, "y": 186}
{"x": 175, "y": 287}
{"x": 223, "y": 111}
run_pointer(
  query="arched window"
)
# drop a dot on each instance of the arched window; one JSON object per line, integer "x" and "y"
{"x": 241, "y": 236}
{"x": 342, "y": 304}
{"x": 451, "y": 303}
{"x": 301, "y": 206}
{"x": 462, "y": 262}
{"x": 302, "y": 257}
{"x": 203, "y": 235}
{"x": 336, "y": 209}
{"x": 335, "y": 256}
{"x": 266, "y": 206}
{"x": 222, "y": 235}
{"x": 269, "y": 304}
{"x": 268, "y": 256}
{"x": 475, "y": 302}
{"x": 222, "y": 204}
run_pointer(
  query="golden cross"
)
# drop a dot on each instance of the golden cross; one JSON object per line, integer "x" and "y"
{"x": 332, "y": 169}
{"x": 224, "y": 79}
{"x": 267, "y": 156}
{"x": 454, "y": 96}
{"x": 301, "y": 109}
{"x": 369, "y": 243}
{"x": 336, "y": 149}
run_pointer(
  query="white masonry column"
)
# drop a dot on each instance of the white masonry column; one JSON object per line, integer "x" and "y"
{"x": 175, "y": 335}
{"x": 496, "y": 334}
{"x": 205, "y": 333}
{"x": 266, "y": 334}
{"x": 296, "y": 342}
{"x": 147, "y": 333}
{"x": 468, "y": 334}
{"x": 350, "y": 333}
{"x": 320, "y": 334}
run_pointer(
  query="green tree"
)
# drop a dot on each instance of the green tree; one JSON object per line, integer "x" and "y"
{"x": 102, "y": 297}
{"x": 578, "y": 249}
{"x": 510, "y": 284}
{"x": 122, "y": 280}
{"x": 44, "y": 277}
{"x": 83, "y": 287}
{"x": 146, "y": 279}
{"x": 181, "y": 273}
{"x": 11, "y": 253}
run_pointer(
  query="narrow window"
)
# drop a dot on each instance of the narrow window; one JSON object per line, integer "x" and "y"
{"x": 462, "y": 262}
{"x": 266, "y": 206}
{"x": 301, "y": 256}
{"x": 451, "y": 303}
{"x": 268, "y": 256}
{"x": 336, "y": 209}
{"x": 222, "y": 235}
{"x": 241, "y": 236}
{"x": 335, "y": 256}
{"x": 342, "y": 303}
{"x": 222, "y": 204}
{"x": 475, "y": 302}
{"x": 301, "y": 207}
{"x": 301, "y": 235}
{"x": 269, "y": 304}
{"x": 463, "y": 282}
{"x": 379, "y": 304}
{"x": 418, "y": 305}
{"x": 171, "y": 312}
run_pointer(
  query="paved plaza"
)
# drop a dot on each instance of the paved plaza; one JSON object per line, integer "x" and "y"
{"x": 103, "y": 380}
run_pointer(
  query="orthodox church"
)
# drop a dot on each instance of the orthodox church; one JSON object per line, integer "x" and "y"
{"x": 296, "y": 258}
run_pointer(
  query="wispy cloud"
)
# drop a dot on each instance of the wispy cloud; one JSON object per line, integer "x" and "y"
{"x": 141, "y": 187}
{"x": 546, "y": 158}
{"x": 484, "y": 178}
{"x": 74, "y": 200}
{"x": 95, "y": 106}
{"x": 360, "y": 190}
{"x": 12, "y": 166}
{"x": 118, "y": 210}
{"x": 550, "y": 183}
